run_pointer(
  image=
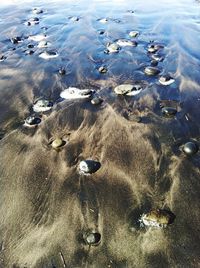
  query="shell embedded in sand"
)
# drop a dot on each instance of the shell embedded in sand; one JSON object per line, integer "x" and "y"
{"x": 157, "y": 57}
{"x": 190, "y": 148}
{"x": 166, "y": 80}
{"x": 32, "y": 21}
{"x": 169, "y": 111}
{"x": 125, "y": 43}
{"x": 43, "y": 44}
{"x": 32, "y": 121}
{"x": 149, "y": 70}
{"x": 133, "y": 34}
{"x": 157, "y": 218}
{"x": 153, "y": 48}
{"x": 112, "y": 48}
{"x": 57, "y": 143}
{"x": 92, "y": 238}
{"x": 37, "y": 38}
{"x": 16, "y": 40}
{"x": 102, "y": 69}
{"x": 48, "y": 55}
{"x": 128, "y": 89}
{"x": 89, "y": 166}
{"x": 76, "y": 93}
{"x": 104, "y": 20}
{"x": 42, "y": 106}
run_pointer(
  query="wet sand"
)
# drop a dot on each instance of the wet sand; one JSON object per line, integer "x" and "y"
{"x": 46, "y": 205}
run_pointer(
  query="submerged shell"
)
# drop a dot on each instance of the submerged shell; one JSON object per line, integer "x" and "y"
{"x": 128, "y": 89}
{"x": 48, "y": 55}
{"x": 190, "y": 148}
{"x": 157, "y": 218}
{"x": 102, "y": 69}
{"x": 166, "y": 80}
{"x": 89, "y": 166}
{"x": 124, "y": 43}
{"x": 42, "y": 106}
{"x": 96, "y": 101}
{"x": 104, "y": 20}
{"x": 149, "y": 70}
{"x": 76, "y": 93}
{"x": 43, "y": 44}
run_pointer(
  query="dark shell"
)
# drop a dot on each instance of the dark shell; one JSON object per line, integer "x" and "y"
{"x": 30, "y": 46}
{"x": 101, "y": 32}
{"x": 190, "y": 148}
{"x": 92, "y": 238}
{"x": 169, "y": 111}
{"x": 149, "y": 70}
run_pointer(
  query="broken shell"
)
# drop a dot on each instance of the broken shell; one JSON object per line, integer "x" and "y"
{"x": 42, "y": 106}
{"x": 37, "y": 38}
{"x": 190, "y": 148}
{"x": 157, "y": 218}
{"x": 127, "y": 89}
{"x": 43, "y": 44}
{"x": 16, "y": 40}
{"x": 149, "y": 70}
{"x": 169, "y": 111}
{"x": 76, "y": 93}
{"x": 92, "y": 238}
{"x": 89, "y": 166}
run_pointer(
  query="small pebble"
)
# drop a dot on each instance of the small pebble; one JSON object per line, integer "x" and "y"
{"x": 89, "y": 166}
{"x": 30, "y": 46}
{"x": 166, "y": 80}
{"x": 16, "y": 40}
{"x": 48, "y": 55}
{"x": 62, "y": 71}
{"x": 101, "y": 32}
{"x": 133, "y": 34}
{"x": 42, "y": 106}
{"x": 32, "y": 121}
{"x": 37, "y": 11}
{"x": 190, "y": 148}
{"x": 92, "y": 238}
{"x": 113, "y": 48}
{"x": 125, "y": 43}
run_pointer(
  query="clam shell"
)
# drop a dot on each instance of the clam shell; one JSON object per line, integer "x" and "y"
{"x": 42, "y": 106}
{"x": 157, "y": 218}
{"x": 76, "y": 93}
{"x": 149, "y": 70}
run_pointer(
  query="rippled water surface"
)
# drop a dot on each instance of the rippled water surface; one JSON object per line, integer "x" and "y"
{"x": 46, "y": 205}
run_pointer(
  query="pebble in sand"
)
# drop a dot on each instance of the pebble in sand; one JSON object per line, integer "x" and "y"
{"x": 43, "y": 44}
{"x": 151, "y": 71}
{"x": 153, "y": 48}
{"x": 58, "y": 142}
{"x": 42, "y": 106}
{"x": 89, "y": 166}
{"x": 32, "y": 21}
{"x": 133, "y": 34}
{"x": 169, "y": 112}
{"x": 76, "y": 93}
{"x": 102, "y": 69}
{"x": 32, "y": 121}
{"x": 157, "y": 218}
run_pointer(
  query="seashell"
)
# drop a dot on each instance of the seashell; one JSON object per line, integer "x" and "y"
{"x": 166, "y": 80}
{"x": 43, "y": 44}
{"x": 151, "y": 70}
{"x": 42, "y": 106}
{"x": 157, "y": 57}
{"x": 37, "y": 38}
{"x": 74, "y": 18}
{"x": 16, "y": 40}
{"x": 92, "y": 238}
{"x": 30, "y": 46}
{"x": 89, "y": 166}
{"x": 169, "y": 111}
{"x": 190, "y": 148}
{"x": 32, "y": 121}
{"x": 157, "y": 218}
{"x": 153, "y": 48}
{"x": 102, "y": 69}
{"x": 62, "y": 71}
{"x": 48, "y": 55}
{"x": 2, "y": 58}
{"x": 37, "y": 11}
{"x": 57, "y": 143}
{"x": 133, "y": 34}
{"x": 104, "y": 20}
{"x": 76, "y": 93}
{"x": 125, "y": 43}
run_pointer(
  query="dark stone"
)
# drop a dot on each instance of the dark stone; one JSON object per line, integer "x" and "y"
{"x": 30, "y": 46}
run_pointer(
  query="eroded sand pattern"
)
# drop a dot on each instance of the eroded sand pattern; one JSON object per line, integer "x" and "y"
{"x": 78, "y": 175}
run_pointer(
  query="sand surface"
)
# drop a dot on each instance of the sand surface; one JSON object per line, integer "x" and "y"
{"x": 45, "y": 204}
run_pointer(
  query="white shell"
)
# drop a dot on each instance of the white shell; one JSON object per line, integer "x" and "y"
{"x": 75, "y": 93}
{"x": 45, "y": 55}
{"x": 166, "y": 83}
{"x": 104, "y": 20}
{"x": 133, "y": 33}
{"x": 37, "y": 38}
{"x": 127, "y": 89}
{"x": 84, "y": 167}
{"x": 113, "y": 48}
{"x": 43, "y": 44}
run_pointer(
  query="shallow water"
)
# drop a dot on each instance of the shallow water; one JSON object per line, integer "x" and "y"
{"x": 46, "y": 205}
